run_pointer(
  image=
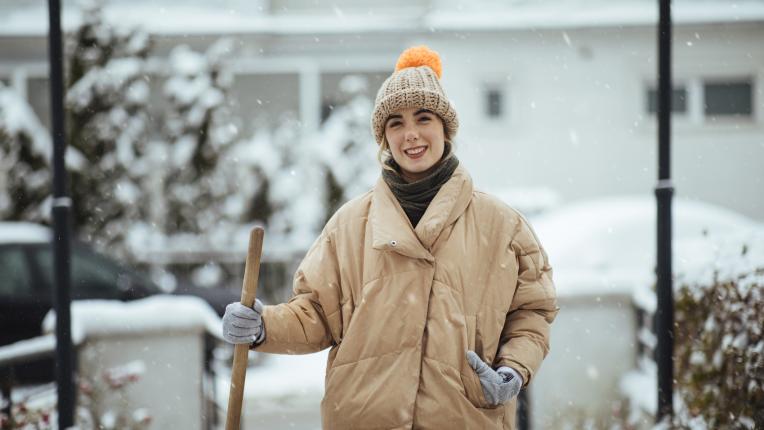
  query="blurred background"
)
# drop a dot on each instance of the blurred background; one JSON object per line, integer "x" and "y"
{"x": 189, "y": 122}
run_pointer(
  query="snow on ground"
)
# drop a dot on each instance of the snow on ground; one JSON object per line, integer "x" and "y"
{"x": 281, "y": 381}
{"x": 284, "y": 391}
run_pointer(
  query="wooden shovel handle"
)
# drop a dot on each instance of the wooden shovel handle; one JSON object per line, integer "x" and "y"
{"x": 248, "y": 291}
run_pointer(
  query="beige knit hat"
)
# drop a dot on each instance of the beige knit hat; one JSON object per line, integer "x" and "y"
{"x": 415, "y": 82}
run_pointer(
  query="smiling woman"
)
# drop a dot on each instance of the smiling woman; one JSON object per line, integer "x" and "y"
{"x": 416, "y": 139}
{"x": 435, "y": 299}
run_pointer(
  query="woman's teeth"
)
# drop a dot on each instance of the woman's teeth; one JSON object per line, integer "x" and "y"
{"x": 416, "y": 151}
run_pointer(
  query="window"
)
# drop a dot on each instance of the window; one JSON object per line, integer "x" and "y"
{"x": 92, "y": 277}
{"x": 678, "y": 100}
{"x": 15, "y": 274}
{"x": 494, "y": 103}
{"x": 38, "y": 95}
{"x": 730, "y": 98}
{"x": 700, "y": 101}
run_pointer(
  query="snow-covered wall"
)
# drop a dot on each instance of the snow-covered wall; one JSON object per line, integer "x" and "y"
{"x": 157, "y": 345}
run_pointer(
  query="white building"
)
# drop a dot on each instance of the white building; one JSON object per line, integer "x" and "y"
{"x": 555, "y": 94}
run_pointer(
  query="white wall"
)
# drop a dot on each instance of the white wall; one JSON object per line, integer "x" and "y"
{"x": 170, "y": 389}
{"x": 576, "y": 112}
{"x": 592, "y": 346}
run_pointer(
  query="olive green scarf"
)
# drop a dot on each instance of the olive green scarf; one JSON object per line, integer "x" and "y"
{"x": 414, "y": 197}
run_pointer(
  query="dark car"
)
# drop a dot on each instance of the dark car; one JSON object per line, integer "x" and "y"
{"x": 26, "y": 282}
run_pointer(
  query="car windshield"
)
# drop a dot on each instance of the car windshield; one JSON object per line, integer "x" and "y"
{"x": 93, "y": 275}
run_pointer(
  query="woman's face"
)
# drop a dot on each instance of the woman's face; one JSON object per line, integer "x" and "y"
{"x": 416, "y": 140}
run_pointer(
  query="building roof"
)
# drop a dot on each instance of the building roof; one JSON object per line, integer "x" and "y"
{"x": 27, "y": 18}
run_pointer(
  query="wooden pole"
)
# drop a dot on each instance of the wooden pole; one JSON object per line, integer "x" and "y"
{"x": 248, "y": 291}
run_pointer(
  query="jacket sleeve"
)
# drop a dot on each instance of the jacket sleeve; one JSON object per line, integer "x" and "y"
{"x": 311, "y": 320}
{"x": 525, "y": 337}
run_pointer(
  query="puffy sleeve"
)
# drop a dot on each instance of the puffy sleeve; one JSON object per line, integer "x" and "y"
{"x": 311, "y": 320}
{"x": 525, "y": 337}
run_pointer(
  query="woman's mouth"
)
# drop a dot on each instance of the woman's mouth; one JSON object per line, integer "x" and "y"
{"x": 416, "y": 152}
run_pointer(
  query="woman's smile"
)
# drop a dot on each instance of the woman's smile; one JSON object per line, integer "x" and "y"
{"x": 416, "y": 152}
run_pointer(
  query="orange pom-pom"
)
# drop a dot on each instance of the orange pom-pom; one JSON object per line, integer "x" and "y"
{"x": 420, "y": 56}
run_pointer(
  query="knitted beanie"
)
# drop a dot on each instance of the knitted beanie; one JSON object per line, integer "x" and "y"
{"x": 414, "y": 83}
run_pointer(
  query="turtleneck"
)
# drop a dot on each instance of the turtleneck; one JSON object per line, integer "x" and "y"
{"x": 414, "y": 197}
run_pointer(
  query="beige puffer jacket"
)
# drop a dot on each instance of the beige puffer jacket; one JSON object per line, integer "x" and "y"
{"x": 399, "y": 308}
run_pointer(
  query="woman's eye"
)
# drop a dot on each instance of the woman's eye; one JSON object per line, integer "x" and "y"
{"x": 393, "y": 124}
{"x": 424, "y": 118}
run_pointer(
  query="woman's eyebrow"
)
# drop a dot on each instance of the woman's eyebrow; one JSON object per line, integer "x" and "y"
{"x": 422, "y": 111}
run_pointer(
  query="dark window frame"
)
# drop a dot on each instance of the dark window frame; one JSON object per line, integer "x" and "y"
{"x": 679, "y": 103}
{"x": 743, "y": 109}
{"x": 494, "y": 102}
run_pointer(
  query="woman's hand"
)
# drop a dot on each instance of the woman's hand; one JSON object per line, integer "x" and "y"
{"x": 499, "y": 386}
{"x": 242, "y": 324}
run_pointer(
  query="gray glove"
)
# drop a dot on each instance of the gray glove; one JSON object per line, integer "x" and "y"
{"x": 242, "y": 324}
{"x": 499, "y": 386}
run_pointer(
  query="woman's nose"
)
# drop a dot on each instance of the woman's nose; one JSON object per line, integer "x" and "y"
{"x": 411, "y": 134}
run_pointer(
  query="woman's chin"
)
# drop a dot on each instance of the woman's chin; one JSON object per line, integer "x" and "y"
{"x": 416, "y": 171}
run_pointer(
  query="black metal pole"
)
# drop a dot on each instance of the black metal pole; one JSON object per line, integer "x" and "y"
{"x": 524, "y": 410}
{"x": 61, "y": 227}
{"x": 664, "y": 190}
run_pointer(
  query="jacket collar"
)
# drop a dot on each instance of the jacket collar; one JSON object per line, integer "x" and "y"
{"x": 391, "y": 229}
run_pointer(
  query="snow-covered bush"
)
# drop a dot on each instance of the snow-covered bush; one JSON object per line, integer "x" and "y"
{"x": 347, "y": 148}
{"x": 719, "y": 348}
{"x": 297, "y": 182}
{"x": 25, "y": 150}
{"x": 718, "y": 341}
{"x": 108, "y": 123}
{"x": 286, "y": 186}
{"x": 199, "y": 129}
{"x": 37, "y": 410}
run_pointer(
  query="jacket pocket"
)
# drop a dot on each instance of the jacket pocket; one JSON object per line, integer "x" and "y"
{"x": 474, "y": 390}
{"x": 470, "y": 380}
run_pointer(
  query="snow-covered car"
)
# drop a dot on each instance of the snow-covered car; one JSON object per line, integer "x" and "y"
{"x": 26, "y": 281}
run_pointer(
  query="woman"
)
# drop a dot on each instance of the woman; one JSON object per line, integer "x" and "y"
{"x": 435, "y": 299}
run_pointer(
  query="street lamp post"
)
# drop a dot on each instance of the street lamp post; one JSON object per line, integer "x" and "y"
{"x": 61, "y": 228}
{"x": 664, "y": 317}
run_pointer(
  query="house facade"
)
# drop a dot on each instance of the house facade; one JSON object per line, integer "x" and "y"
{"x": 551, "y": 95}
